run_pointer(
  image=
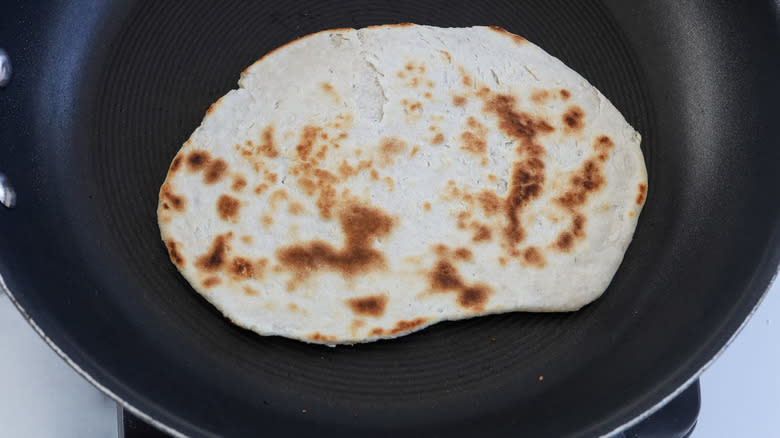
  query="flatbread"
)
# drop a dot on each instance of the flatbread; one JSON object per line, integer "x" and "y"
{"x": 365, "y": 184}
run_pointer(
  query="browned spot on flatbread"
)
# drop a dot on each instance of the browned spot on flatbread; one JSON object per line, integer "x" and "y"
{"x": 441, "y": 250}
{"x": 438, "y": 138}
{"x": 210, "y": 282}
{"x": 526, "y": 185}
{"x": 326, "y": 202}
{"x": 534, "y": 257}
{"x": 528, "y": 173}
{"x": 241, "y": 268}
{"x": 517, "y": 39}
{"x": 295, "y": 208}
{"x": 390, "y": 183}
{"x": 176, "y": 164}
{"x": 428, "y": 95}
{"x": 461, "y": 222}
{"x": 490, "y": 202}
{"x": 216, "y": 256}
{"x": 539, "y": 96}
{"x": 474, "y": 297}
{"x": 278, "y": 196}
{"x": 640, "y": 198}
{"x": 247, "y": 239}
{"x": 348, "y": 171}
{"x": 267, "y": 220}
{"x": 482, "y": 233}
{"x": 465, "y": 78}
{"x": 268, "y": 147}
{"x": 464, "y": 254}
{"x": 573, "y": 119}
{"x": 258, "y": 268}
{"x": 458, "y": 100}
{"x": 317, "y": 336}
{"x": 565, "y": 94}
{"x": 322, "y": 152}
{"x": 583, "y": 182}
{"x": 377, "y": 331}
{"x": 228, "y": 208}
{"x": 250, "y": 291}
{"x": 602, "y": 145}
{"x": 517, "y": 124}
{"x": 324, "y": 177}
{"x": 361, "y": 225}
{"x": 475, "y": 139}
{"x": 306, "y": 143}
{"x": 372, "y": 305}
{"x": 260, "y": 188}
{"x": 215, "y": 170}
{"x": 328, "y": 89}
{"x": 270, "y": 177}
{"x": 427, "y": 206}
{"x": 239, "y": 182}
{"x": 445, "y": 278}
{"x": 415, "y": 149}
{"x": 446, "y": 55}
{"x": 355, "y": 325}
{"x": 389, "y": 147}
{"x": 174, "y": 254}
{"x": 587, "y": 179}
{"x": 406, "y": 325}
{"x": 178, "y": 202}
{"x": 564, "y": 242}
{"x": 578, "y": 225}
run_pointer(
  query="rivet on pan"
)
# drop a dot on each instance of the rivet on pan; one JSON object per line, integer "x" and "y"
{"x": 7, "y": 194}
{"x": 5, "y": 68}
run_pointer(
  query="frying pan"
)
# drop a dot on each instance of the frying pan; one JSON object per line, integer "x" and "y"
{"x": 104, "y": 93}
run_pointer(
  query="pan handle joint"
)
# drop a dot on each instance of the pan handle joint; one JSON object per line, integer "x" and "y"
{"x": 7, "y": 193}
{"x": 5, "y": 68}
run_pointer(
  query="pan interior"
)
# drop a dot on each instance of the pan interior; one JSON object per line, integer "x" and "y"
{"x": 130, "y": 319}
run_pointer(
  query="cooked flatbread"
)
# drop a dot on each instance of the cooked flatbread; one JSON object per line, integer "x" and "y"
{"x": 364, "y": 184}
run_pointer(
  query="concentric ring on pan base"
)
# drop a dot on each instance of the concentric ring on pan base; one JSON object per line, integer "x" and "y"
{"x": 171, "y": 62}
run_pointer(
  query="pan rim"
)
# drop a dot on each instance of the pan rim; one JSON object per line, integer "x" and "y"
{"x": 71, "y": 363}
{"x": 677, "y": 391}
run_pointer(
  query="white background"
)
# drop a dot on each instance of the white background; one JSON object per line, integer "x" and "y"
{"x": 41, "y": 397}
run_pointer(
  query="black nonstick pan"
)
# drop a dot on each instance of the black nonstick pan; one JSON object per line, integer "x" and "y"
{"x": 105, "y": 92}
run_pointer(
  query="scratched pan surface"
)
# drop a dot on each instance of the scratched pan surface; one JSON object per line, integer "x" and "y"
{"x": 104, "y": 93}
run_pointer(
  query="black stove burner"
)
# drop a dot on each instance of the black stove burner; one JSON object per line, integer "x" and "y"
{"x": 675, "y": 420}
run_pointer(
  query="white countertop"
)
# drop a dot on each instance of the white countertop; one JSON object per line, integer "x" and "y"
{"x": 41, "y": 397}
